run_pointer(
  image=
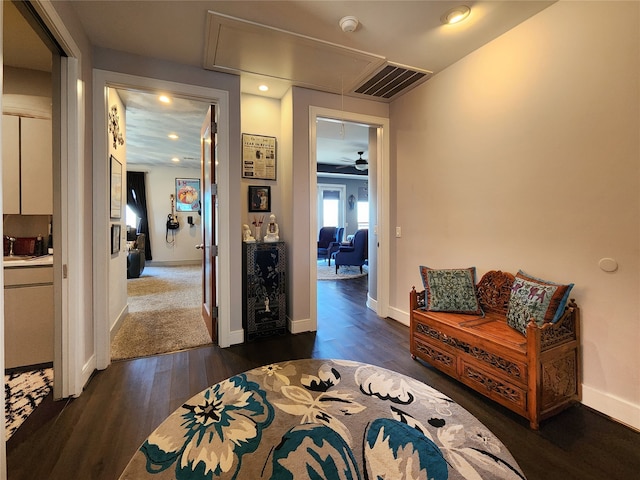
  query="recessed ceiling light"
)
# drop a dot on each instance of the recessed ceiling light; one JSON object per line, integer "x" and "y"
{"x": 263, "y": 88}
{"x": 455, "y": 15}
{"x": 173, "y": 136}
{"x": 175, "y": 159}
{"x": 164, "y": 99}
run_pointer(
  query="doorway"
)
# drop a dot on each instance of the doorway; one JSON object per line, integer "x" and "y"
{"x": 103, "y": 278}
{"x": 377, "y": 147}
{"x": 161, "y": 153}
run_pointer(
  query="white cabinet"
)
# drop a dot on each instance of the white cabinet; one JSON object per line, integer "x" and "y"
{"x": 28, "y": 175}
{"x": 11, "y": 164}
{"x": 28, "y": 316}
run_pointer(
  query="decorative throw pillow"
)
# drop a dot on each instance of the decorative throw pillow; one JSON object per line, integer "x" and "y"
{"x": 451, "y": 290}
{"x": 534, "y": 298}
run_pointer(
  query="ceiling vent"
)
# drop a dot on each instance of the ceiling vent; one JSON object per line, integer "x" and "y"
{"x": 391, "y": 81}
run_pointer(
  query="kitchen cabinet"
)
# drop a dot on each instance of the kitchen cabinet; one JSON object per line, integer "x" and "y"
{"x": 10, "y": 164}
{"x": 27, "y": 186}
{"x": 264, "y": 289}
{"x": 28, "y": 315}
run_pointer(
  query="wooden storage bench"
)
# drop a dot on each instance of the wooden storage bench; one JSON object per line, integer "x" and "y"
{"x": 536, "y": 375}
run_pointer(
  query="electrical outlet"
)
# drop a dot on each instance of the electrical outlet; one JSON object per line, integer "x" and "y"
{"x": 398, "y": 232}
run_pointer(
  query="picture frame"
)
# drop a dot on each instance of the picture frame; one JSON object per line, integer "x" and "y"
{"x": 115, "y": 238}
{"x": 259, "y": 198}
{"x": 187, "y": 194}
{"x": 116, "y": 187}
{"x": 259, "y": 157}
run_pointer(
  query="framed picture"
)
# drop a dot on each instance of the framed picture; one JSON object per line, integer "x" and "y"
{"x": 115, "y": 238}
{"x": 259, "y": 198}
{"x": 116, "y": 188}
{"x": 187, "y": 194}
{"x": 258, "y": 157}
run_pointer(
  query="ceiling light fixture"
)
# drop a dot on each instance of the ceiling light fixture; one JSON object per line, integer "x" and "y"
{"x": 361, "y": 164}
{"x": 348, "y": 24}
{"x": 175, "y": 159}
{"x": 455, "y": 15}
{"x": 164, "y": 99}
{"x": 263, "y": 88}
{"x": 173, "y": 136}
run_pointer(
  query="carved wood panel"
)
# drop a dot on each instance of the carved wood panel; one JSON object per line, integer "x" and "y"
{"x": 492, "y": 385}
{"x": 559, "y": 380}
{"x": 494, "y": 291}
{"x": 513, "y": 370}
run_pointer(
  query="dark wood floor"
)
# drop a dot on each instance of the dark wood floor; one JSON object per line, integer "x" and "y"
{"x": 93, "y": 437}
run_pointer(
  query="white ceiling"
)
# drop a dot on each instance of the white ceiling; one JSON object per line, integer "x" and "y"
{"x": 408, "y": 33}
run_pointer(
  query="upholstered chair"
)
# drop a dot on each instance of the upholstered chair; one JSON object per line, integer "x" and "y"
{"x": 355, "y": 254}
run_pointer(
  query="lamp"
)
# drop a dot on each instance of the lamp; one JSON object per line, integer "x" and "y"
{"x": 455, "y": 15}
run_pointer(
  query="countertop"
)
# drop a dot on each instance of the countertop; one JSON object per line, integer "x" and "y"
{"x": 19, "y": 261}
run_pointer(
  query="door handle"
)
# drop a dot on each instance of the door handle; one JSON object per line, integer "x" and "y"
{"x": 200, "y": 247}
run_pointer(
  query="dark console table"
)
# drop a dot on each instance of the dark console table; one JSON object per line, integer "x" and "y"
{"x": 264, "y": 301}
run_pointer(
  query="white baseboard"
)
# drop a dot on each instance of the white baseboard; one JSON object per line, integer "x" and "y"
{"x": 87, "y": 370}
{"x": 236, "y": 337}
{"x": 399, "y": 315}
{"x": 618, "y": 409}
{"x": 172, "y": 263}
{"x": 118, "y": 323}
{"x": 300, "y": 326}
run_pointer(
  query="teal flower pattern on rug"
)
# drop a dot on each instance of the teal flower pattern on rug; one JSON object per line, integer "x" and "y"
{"x": 322, "y": 419}
{"x": 218, "y": 429}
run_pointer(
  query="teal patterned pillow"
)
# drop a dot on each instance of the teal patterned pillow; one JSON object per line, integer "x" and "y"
{"x": 451, "y": 290}
{"x": 533, "y": 298}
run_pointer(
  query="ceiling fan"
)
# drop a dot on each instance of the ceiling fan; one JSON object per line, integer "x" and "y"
{"x": 360, "y": 164}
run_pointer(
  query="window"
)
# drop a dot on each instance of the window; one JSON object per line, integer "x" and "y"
{"x": 132, "y": 218}
{"x": 363, "y": 215}
{"x": 363, "y": 207}
{"x": 331, "y": 205}
{"x": 330, "y": 210}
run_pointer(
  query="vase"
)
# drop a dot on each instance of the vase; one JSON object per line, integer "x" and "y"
{"x": 258, "y": 233}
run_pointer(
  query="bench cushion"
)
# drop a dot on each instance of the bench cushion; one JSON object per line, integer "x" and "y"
{"x": 533, "y": 298}
{"x": 451, "y": 290}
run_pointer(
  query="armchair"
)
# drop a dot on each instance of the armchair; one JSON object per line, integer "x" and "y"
{"x": 335, "y": 246}
{"x": 355, "y": 254}
{"x": 135, "y": 258}
{"x": 326, "y": 236}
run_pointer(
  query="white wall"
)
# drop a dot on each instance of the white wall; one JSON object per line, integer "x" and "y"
{"x": 261, "y": 116}
{"x": 118, "y": 261}
{"x": 180, "y": 248}
{"x": 525, "y": 155}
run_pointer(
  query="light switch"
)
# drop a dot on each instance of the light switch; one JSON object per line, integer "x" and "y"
{"x": 398, "y": 232}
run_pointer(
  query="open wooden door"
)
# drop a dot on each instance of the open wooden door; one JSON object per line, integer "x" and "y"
{"x": 209, "y": 206}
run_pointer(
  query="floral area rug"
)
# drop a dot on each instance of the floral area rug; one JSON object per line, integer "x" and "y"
{"x": 328, "y": 419}
{"x": 23, "y": 393}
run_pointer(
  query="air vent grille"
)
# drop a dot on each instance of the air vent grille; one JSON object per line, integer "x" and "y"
{"x": 391, "y": 80}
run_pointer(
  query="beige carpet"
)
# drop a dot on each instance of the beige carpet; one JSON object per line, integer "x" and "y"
{"x": 164, "y": 313}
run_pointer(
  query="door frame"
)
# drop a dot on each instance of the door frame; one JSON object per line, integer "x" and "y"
{"x": 103, "y": 79}
{"x": 68, "y": 137}
{"x": 381, "y": 229}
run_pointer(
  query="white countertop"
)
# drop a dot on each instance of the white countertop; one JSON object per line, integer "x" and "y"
{"x": 18, "y": 262}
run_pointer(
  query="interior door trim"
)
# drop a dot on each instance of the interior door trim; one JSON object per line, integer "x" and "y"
{"x": 102, "y": 79}
{"x": 381, "y": 229}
